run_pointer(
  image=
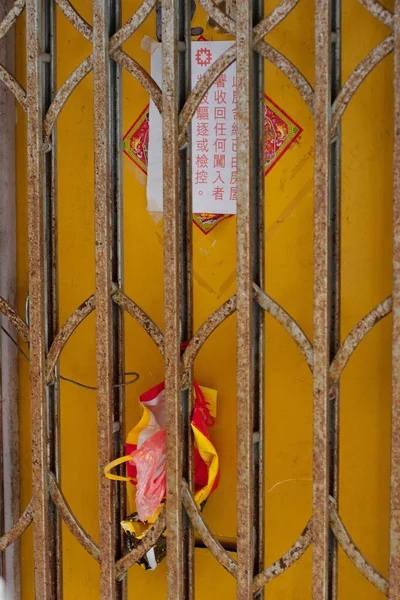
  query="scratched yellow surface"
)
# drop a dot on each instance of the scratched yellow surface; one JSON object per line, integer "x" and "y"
{"x": 366, "y": 280}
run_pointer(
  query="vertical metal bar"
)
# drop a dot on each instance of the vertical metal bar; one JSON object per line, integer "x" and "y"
{"x": 172, "y": 300}
{"x": 321, "y": 300}
{"x": 394, "y": 566}
{"x": 9, "y": 430}
{"x": 186, "y": 253}
{"x": 334, "y": 260}
{"x": 43, "y": 574}
{"x": 104, "y": 312}
{"x": 258, "y": 179}
{"x": 2, "y": 499}
{"x": 244, "y": 292}
{"x": 51, "y": 287}
{"x": 118, "y": 280}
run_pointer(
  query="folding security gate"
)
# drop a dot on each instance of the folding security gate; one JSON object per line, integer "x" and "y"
{"x": 326, "y": 356}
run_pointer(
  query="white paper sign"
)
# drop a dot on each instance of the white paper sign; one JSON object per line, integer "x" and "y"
{"x": 155, "y": 154}
{"x": 213, "y": 136}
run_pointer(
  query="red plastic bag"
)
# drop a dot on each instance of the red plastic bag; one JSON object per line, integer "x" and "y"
{"x": 146, "y": 469}
{"x": 146, "y": 452}
{"x": 149, "y": 461}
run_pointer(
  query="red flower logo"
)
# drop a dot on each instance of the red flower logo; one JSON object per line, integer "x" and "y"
{"x": 203, "y": 57}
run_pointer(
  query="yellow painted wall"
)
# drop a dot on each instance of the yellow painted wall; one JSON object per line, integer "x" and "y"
{"x": 366, "y": 280}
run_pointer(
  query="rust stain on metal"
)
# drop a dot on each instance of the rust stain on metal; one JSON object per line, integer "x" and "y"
{"x": 290, "y": 70}
{"x": 357, "y": 77}
{"x": 282, "y": 317}
{"x": 201, "y": 87}
{"x": 14, "y": 87}
{"x": 204, "y": 532}
{"x": 229, "y": 308}
{"x": 271, "y": 21}
{"x": 10, "y": 314}
{"x": 82, "y": 537}
{"x": 286, "y": 561}
{"x": 63, "y": 94}
{"x": 223, "y": 62}
{"x": 321, "y": 301}
{"x": 65, "y": 333}
{"x": 172, "y": 306}
{"x": 326, "y": 376}
{"x": 76, "y": 19}
{"x": 222, "y": 19}
{"x": 380, "y": 12}
{"x": 228, "y": 7}
{"x": 227, "y": 23}
{"x": 43, "y": 573}
{"x": 394, "y": 549}
{"x": 137, "y": 19}
{"x": 354, "y": 554}
{"x": 123, "y": 564}
{"x": 244, "y": 300}
{"x": 18, "y": 529}
{"x": 203, "y": 333}
{"x": 140, "y": 74}
{"x": 104, "y": 321}
{"x": 229, "y": 56}
{"x": 140, "y": 317}
{"x": 354, "y": 338}
{"x": 11, "y": 17}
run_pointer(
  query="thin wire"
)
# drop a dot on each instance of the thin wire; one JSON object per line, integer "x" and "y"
{"x": 15, "y": 343}
{"x": 67, "y": 379}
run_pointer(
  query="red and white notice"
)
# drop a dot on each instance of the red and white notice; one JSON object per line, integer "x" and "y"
{"x": 213, "y": 136}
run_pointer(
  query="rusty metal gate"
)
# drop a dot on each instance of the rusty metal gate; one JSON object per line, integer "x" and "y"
{"x": 326, "y": 356}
